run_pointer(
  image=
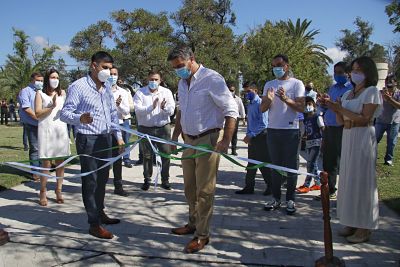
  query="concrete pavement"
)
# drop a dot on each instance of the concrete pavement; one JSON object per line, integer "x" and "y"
{"x": 243, "y": 234}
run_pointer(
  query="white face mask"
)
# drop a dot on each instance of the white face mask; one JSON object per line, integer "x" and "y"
{"x": 54, "y": 83}
{"x": 103, "y": 75}
{"x": 38, "y": 85}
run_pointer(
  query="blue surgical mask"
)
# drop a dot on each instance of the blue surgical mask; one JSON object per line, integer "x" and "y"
{"x": 183, "y": 73}
{"x": 38, "y": 85}
{"x": 153, "y": 85}
{"x": 250, "y": 96}
{"x": 309, "y": 109}
{"x": 357, "y": 78}
{"x": 279, "y": 72}
{"x": 113, "y": 79}
{"x": 340, "y": 79}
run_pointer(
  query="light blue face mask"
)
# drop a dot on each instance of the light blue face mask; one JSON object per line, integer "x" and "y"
{"x": 279, "y": 72}
{"x": 309, "y": 109}
{"x": 113, "y": 79}
{"x": 38, "y": 85}
{"x": 183, "y": 73}
{"x": 153, "y": 85}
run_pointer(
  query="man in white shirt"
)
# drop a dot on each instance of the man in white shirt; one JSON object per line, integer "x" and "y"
{"x": 206, "y": 105}
{"x": 154, "y": 105}
{"x": 242, "y": 116}
{"x": 121, "y": 97}
{"x": 283, "y": 97}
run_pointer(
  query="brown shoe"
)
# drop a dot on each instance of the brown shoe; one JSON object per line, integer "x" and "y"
{"x": 107, "y": 220}
{"x": 347, "y": 231}
{"x": 100, "y": 232}
{"x": 185, "y": 230}
{"x": 360, "y": 236}
{"x": 4, "y": 238}
{"x": 196, "y": 244}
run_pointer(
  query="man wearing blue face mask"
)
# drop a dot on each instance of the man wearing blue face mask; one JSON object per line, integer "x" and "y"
{"x": 26, "y": 99}
{"x": 121, "y": 97}
{"x": 283, "y": 98}
{"x": 256, "y": 138}
{"x": 332, "y": 145}
{"x": 154, "y": 105}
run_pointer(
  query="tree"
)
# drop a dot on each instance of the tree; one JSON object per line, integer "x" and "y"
{"x": 20, "y": 65}
{"x": 307, "y": 61}
{"x": 358, "y": 43}
{"x": 393, "y": 12}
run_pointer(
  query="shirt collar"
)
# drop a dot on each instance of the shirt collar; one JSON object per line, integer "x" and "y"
{"x": 197, "y": 73}
{"x": 32, "y": 86}
{"x": 93, "y": 84}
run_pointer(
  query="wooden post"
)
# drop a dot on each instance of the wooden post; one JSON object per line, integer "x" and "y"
{"x": 328, "y": 259}
{"x": 4, "y": 238}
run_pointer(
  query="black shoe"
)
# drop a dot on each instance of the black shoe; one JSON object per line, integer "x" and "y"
{"x": 234, "y": 153}
{"x": 26, "y": 148}
{"x": 139, "y": 162}
{"x": 268, "y": 191}
{"x": 121, "y": 192}
{"x": 107, "y": 220}
{"x": 128, "y": 164}
{"x": 245, "y": 191}
{"x": 166, "y": 185}
{"x": 145, "y": 186}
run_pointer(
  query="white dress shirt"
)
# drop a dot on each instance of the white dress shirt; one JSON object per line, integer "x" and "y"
{"x": 143, "y": 104}
{"x": 123, "y": 109}
{"x": 239, "y": 102}
{"x": 205, "y": 103}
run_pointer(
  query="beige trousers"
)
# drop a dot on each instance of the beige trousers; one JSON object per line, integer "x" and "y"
{"x": 200, "y": 175}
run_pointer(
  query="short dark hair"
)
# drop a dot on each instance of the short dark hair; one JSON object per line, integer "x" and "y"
{"x": 246, "y": 84}
{"x": 154, "y": 72}
{"x": 309, "y": 99}
{"x": 368, "y": 67}
{"x": 102, "y": 56}
{"x": 180, "y": 51}
{"x": 46, "y": 83}
{"x": 283, "y": 56}
{"x": 36, "y": 74}
{"x": 341, "y": 64}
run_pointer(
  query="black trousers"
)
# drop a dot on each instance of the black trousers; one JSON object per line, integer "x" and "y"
{"x": 258, "y": 150}
{"x": 234, "y": 137}
{"x": 331, "y": 149}
{"x": 163, "y": 132}
{"x": 117, "y": 166}
{"x": 93, "y": 185}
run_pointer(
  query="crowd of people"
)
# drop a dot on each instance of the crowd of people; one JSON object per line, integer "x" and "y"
{"x": 342, "y": 126}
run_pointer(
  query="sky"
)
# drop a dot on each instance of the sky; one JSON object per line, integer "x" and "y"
{"x": 56, "y": 22}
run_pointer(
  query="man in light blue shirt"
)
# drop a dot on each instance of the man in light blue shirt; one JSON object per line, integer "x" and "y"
{"x": 332, "y": 136}
{"x": 256, "y": 138}
{"x": 90, "y": 106}
{"x": 26, "y": 99}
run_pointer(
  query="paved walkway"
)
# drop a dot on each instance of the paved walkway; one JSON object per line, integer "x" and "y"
{"x": 242, "y": 232}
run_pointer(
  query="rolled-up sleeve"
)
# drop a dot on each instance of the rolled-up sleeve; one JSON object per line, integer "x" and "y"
{"x": 223, "y": 98}
{"x": 24, "y": 99}
{"x": 69, "y": 112}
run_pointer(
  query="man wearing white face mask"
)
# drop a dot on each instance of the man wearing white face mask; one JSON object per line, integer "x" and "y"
{"x": 122, "y": 103}
{"x": 154, "y": 105}
{"x": 26, "y": 99}
{"x": 90, "y": 106}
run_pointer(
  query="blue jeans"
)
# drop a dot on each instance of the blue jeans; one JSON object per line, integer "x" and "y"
{"x": 392, "y": 130}
{"x": 32, "y": 133}
{"x": 312, "y": 165}
{"x": 283, "y": 147}
{"x": 126, "y": 136}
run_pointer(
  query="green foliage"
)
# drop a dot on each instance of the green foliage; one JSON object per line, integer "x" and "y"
{"x": 358, "y": 43}
{"x": 393, "y": 12}
{"x": 21, "y": 64}
{"x": 307, "y": 60}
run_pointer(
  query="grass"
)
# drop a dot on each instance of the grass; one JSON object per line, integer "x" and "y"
{"x": 11, "y": 149}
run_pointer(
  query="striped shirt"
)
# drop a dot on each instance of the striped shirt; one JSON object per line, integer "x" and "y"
{"x": 83, "y": 97}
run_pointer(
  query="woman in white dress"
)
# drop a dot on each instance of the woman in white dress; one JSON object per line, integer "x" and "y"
{"x": 357, "y": 199}
{"x": 53, "y": 138}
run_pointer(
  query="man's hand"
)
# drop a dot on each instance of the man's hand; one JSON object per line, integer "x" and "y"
{"x": 281, "y": 93}
{"x": 270, "y": 95}
{"x": 222, "y": 146}
{"x": 118, "y": 101}
{"x": 86, "y": 118}
{"x": 155, "y": 102}
{"x": 247, "y": 139}
{"x": 385, "y": 95}
{"x": 121, "y": 144}
{"x": 335, "y": 106}
{"x": 163, "y": 103}
{"x": 323, "y": 99}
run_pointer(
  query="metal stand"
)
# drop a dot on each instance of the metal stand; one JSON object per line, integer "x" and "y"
{"x": 328, "y": 259}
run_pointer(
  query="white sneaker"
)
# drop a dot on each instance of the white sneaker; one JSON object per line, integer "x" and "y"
{"x": 290, "y": 207}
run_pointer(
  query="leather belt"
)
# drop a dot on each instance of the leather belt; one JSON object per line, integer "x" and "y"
{"x": 203, "y": 133}
{"x": 351, "y": 124}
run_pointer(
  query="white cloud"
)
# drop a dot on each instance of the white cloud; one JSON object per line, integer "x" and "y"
{"x": 43, "y": 42}
{"x": 335, "y": 54}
